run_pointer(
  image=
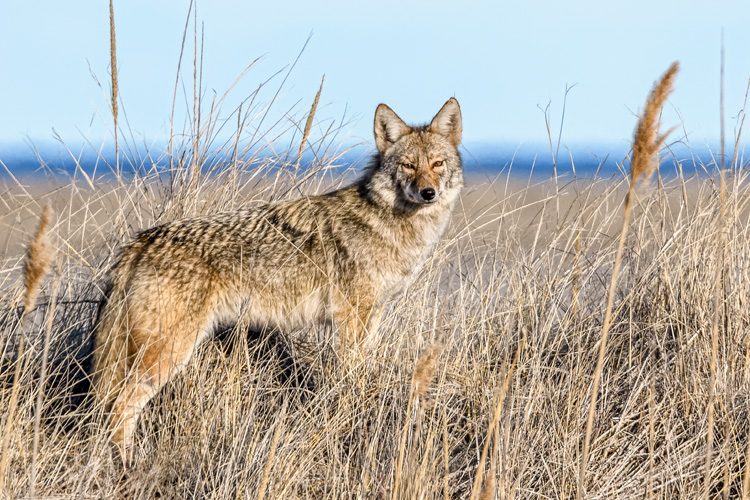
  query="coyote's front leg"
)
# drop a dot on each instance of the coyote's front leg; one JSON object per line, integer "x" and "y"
{"x": 358, "y": 323}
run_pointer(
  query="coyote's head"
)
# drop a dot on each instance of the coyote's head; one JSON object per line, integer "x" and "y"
{"x": 418, "y": 166}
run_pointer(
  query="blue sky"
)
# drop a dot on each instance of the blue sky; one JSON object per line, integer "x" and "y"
{"x": 501, "y": 60}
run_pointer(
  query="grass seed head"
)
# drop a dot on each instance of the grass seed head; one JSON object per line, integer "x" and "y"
{"x": 38, "y": 259}
{"x": 646, "y": 139}
{"x": 425, "y": 369}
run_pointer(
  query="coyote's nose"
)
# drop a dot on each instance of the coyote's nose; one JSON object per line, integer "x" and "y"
{"x": 427, "y": 194}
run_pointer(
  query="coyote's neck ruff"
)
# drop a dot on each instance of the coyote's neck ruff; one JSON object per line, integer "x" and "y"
{"x": 336, "y": 257}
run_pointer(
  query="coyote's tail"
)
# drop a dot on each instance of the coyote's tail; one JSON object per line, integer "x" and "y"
{"x": 111, "y": 345}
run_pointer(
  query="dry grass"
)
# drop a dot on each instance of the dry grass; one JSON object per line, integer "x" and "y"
{"x": 515, "y": 297}
{"x": 36, "y": 265}
{"x": 646, "y": 146}
{"x": 502, "y": 279}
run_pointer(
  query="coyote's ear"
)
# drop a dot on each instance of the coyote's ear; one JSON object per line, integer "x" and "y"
{"x": 388, "y": 127}
{"x": 448, "y": 122}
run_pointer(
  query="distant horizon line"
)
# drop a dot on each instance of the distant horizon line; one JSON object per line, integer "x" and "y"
{"x": 27, "y": 148}
{"x": 479, "y": 157}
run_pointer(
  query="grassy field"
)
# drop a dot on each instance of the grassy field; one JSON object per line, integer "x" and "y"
{"x": 480, "y": 383}
{"x": 495, "y": 346}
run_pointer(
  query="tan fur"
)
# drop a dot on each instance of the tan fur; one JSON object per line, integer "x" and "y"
{"x": 337, "y": 257}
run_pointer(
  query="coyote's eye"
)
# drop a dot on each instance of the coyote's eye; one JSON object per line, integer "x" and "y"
{"x": 437, "y": 164}
{"x": 408, "y": 166}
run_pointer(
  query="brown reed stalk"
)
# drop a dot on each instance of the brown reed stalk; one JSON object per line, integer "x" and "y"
{"x": 38, "y": 259}
{"x": 170, "y": 146}
{"x": 718, "y": 292}
{"x": 195, "y": 166}
{"x": 115, "y": 88}
{"x": 651, "y": 432}
{"x": 308, "y": 124}
{"x": 496, "y": 414}
{"x": 735, "y": 154}
{"x": 488, "y": 493}
{"x": 575, "y": 286}
{"x": 746, "y": 475}
{"x": 271, "y": 453}
{"x": 42, "y": 381}
{"x": 446, "y": 456}
{"x": 423, "y": 373}
{"x": 646, "y": 145}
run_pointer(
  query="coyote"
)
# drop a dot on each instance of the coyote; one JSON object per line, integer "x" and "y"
{"x": 338, "y": 257}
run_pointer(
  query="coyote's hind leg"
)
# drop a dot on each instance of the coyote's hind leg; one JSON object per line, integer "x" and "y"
{"x": 162, "y": 350}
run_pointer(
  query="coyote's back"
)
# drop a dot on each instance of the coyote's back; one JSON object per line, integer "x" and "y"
{"x": 338, "y": 257}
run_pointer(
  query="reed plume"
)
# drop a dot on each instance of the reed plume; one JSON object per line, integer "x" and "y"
{"x": 115, "y": 87}
{"x": 646, "y": 140}
{"x": 309, "y": 122}
{"x": 423, "y": 373}
{"x": 646, "y": 145}
{"x": 488, "y": 493}
{"x": 425, "y": 369}
{"x": 38, "y": 258}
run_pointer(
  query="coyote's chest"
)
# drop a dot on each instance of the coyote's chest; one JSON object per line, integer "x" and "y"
{"x": 407, "y": 258}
